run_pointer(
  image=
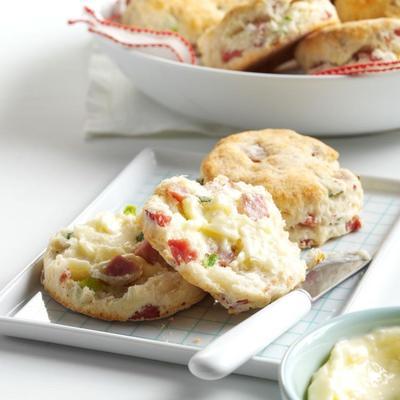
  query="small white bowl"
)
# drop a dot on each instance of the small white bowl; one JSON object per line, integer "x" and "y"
{"x": 317, "y": 105}
{"x": 308, "y": 354}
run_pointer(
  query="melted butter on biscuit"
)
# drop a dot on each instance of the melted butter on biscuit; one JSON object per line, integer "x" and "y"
{"x": 366, "y": 367}
{"x": 219, "y": 220}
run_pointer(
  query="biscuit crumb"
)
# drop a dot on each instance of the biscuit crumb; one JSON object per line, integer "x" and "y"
{"x": 315, "y": 257}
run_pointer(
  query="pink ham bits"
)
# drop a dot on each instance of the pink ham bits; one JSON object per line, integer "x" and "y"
{"x": 148, "y": 253}
{"x": 254, "y": 206}
{"x": 310, "y": 221}
{"x": 225, "y": 257}
{"x": 147, "y": 312}
{"x": 177, "y": 193}
{"x": 65, "y": 276}
{"x": 120, "y": 266}
{"x": 305, "y": 243}
{"x": 354, "y": 224}
{"x": 181, "y": 250}
{"x": 227, "y": 56}
{"x": 158, "y": 217}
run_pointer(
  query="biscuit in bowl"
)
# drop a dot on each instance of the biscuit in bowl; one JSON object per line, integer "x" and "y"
{"x": 350, "y": 43}
{"x": 104, "y": 269}
{"x": 190, "y": 18}
{"x": 317, "y": 198}
{"x": 350, "y": 10}
{"x": 262, "y": 34}
{"x": 226, "y": 238}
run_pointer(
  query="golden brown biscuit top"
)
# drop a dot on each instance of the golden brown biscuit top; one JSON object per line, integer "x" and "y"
{"x": 295, "y": 169}
{"x": 351, "y": 42}
{"x": 190, "y": 18}
{"x": 226, "y": 5}
{"x": 350, "y": 10}
{"x": 278, "y": 149}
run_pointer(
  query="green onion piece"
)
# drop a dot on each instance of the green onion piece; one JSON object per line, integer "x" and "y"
{"x": 92, "y": 283}
{"x": 210, "y": 260}
{"x": 288, "y": 18}
{"x": 68, "y": 235}
{"x": 130, "y": 209}
{"x": 140, "y": 237}
{"x": 204, "y": 199}
{"x": 200, "y": 180}
{"x": 333, "y": 195}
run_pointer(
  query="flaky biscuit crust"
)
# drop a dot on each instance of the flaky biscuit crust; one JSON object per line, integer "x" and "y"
{"x": 190, "y": 18}
{"x": 115, "y": 310}
{"x": 261, "y": 34}
{"x": 350, "y": 43}
{"x": 351, "y": 10}
{"x": 301, "y": 173}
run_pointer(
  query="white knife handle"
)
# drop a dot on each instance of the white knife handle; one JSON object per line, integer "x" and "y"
{"x": 229, "y": 351}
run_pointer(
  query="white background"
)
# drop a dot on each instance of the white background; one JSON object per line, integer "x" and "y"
{"x": 49, "y": 172}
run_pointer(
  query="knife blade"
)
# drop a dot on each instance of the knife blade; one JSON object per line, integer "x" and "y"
{"x": 230, "y": 350}
{"x": 333, "y": 271}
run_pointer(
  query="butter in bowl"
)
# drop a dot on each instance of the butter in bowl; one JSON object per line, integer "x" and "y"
{"x": 355, "y": 356}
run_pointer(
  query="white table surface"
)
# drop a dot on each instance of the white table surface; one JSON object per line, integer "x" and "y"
{"x": 49, "y": 172}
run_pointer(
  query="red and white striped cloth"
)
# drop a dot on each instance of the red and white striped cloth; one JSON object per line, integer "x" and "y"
{"x": 166, "y": 44}
{"x": 360, "y": 69}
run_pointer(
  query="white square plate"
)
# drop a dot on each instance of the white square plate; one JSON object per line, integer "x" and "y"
{"x": 26, "y": 311}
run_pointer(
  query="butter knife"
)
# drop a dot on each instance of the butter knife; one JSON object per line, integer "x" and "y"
{"x": 232, "y": 349}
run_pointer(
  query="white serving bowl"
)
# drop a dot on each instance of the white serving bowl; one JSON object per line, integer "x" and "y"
{"x": 317, "y": 105}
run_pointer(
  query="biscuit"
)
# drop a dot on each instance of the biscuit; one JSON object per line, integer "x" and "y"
{"x": 226, "y": 238}
{"x": 350, "y": 10}
{"x": 317, "y": 198}
{"x": 355, "y": 42}
{"x": 104, "y": 269}
{"x": 227, "y": 5}
{"x": 262, "y": 33}
{"x": 190, "y": 18}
